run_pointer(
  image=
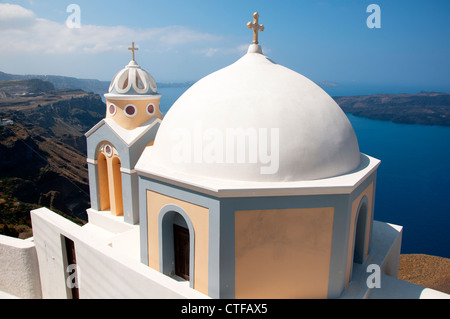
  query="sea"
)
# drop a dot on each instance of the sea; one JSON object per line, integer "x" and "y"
{"x": 413, "y": 179}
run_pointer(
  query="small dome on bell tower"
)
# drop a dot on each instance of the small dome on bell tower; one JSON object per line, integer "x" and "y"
{"x": 132, "y": 98}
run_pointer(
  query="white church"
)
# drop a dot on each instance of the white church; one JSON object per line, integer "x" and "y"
{"x": 251, "y": 186}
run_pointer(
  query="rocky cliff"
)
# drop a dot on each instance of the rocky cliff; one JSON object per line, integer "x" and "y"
{"x": 43, "y": 154}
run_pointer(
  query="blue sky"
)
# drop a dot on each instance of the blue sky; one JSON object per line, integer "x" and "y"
{"x": 180, "y": 40}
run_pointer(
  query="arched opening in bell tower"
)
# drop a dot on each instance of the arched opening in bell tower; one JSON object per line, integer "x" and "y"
{"x": 103, "y": 182}
{"x": 109, "y": 179}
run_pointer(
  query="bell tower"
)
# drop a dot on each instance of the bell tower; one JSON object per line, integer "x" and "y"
{"x": 115, "y": 143}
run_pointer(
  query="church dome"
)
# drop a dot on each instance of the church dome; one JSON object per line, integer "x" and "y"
{"x": 258, "y": 121}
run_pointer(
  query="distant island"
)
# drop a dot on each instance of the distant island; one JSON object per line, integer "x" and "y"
{"x": 425, "y": 108}
{"x": 87, "y": 85}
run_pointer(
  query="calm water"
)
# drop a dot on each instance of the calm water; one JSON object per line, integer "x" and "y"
{"x": 413, "y": 181}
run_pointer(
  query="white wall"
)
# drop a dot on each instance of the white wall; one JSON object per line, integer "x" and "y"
{"x": 19, "y": 270}
{"x": 102, "y": 271}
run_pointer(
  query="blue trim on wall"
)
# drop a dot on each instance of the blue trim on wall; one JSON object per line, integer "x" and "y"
{"x": 143, "y": 221}
{"x": 94, "y": 186}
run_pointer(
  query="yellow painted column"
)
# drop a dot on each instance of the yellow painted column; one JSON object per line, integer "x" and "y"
{"x": 115, "y": 186}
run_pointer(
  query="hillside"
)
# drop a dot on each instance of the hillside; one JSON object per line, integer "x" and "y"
{"x": 43, "y": 154}
{"x": 426, "y": 108}
{"x": 62, "y": 82}
{"x": 426, "y": 271}
{"x": 87, "y": 85}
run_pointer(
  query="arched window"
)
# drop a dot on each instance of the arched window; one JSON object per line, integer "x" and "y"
{"x": 181, "y": 251}
{"x": 176, "y": 244}
{"x": 360, "y": 232}
{"x": 103, "y": 181}
{"x": 109, "y": 179}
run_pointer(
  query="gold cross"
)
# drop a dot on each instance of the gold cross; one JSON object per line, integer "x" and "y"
{"x": 256, "y": 27}
{"x": 132, "y": 49}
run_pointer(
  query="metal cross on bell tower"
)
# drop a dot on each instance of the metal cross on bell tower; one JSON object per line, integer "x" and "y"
{"x": 132, "y": 49}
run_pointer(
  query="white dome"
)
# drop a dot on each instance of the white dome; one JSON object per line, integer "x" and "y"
{"x": 299, "y": 125}
{"x": 132, "y": 80}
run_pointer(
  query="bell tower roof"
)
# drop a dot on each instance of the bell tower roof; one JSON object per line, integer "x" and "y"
{"x": 132, "y": 80}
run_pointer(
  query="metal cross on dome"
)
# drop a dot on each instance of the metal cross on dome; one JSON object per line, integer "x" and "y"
{"x": 256, "y": 27}
{"x": 132, "y": 49}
